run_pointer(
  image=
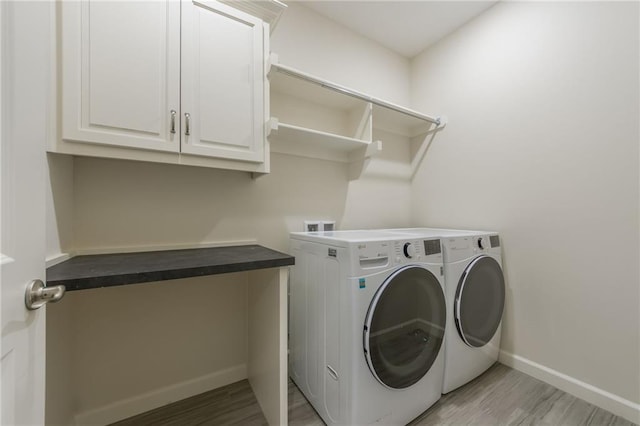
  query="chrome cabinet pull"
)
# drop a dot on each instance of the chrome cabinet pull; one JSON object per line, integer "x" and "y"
{"x": 173, "y": 121}
{"x": 187, "y": 117}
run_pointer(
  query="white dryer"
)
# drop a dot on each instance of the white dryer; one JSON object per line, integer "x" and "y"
{"x": 475, "y": 294}
{"x": 367, "y": 324}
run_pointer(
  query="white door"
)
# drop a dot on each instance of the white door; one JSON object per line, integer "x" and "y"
{"x": 24, "y": 41}
{"x": 222, "y": 82}
{"x": 121, "y": 73}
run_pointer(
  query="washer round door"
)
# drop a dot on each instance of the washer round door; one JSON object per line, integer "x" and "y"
{"x": 404, "y": 327}
{"x": 479, "y": 301}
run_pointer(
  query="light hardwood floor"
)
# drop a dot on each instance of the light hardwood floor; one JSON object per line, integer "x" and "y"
{"x": 504, "y": 396}
{"x": 501, "y": 396}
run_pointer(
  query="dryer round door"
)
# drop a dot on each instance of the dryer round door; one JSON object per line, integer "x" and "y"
{"x": 404, "y": 327}
{"x": 479, "y": 301}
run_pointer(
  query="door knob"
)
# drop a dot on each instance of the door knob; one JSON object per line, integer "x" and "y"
{"x": 37, "y": 294}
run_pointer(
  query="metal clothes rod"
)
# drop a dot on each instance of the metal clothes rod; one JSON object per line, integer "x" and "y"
{"x": 340, "y": 89}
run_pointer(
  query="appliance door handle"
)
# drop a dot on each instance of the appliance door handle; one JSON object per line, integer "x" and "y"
{"x": 332, "y": 372}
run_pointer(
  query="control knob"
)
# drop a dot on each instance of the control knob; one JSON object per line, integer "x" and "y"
{"x": 481, "y": 243}
{"x": 409, "y": 250}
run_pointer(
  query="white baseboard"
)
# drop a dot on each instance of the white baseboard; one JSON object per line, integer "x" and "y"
{"x": 125, "y": 408}
{"x": 593, "y": 395}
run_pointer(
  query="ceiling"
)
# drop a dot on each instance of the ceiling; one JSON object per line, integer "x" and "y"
{"x": 406, "y": 27}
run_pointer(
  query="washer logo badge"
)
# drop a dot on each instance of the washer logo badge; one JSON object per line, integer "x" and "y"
{"x": 362, "y": 283}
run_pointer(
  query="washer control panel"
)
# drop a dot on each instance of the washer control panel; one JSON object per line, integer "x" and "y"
{"x": 409, "y": 250}
{"x": 374, "y": 254}
{"x": 432, "y": 247}
{"x": 417, "y": 250}
{"x": 482, "y": 243}
{"x": 370, "y": 256}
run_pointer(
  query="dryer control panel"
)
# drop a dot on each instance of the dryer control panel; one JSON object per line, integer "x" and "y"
{"x": 460, "y": 248}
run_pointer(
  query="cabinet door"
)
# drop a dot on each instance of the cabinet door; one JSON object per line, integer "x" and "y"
{"x": 121, "y": 73}
{"x": 222, "y": 82}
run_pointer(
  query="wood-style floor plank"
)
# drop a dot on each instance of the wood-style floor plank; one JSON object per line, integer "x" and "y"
{"x": 234, "y": 404}
{"x": 501, "y": 396}
{"x": 504, "y": 396}
{"x": 301, "y": 413}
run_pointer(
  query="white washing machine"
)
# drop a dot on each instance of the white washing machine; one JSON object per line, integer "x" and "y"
{"x": 475, "y": 294}
{"x": 367, "y": 324}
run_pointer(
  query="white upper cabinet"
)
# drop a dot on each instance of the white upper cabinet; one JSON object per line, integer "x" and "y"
{"x": 121, "y": 73}
{"x": 166, "y": 81}
{"x": 222, "y": 82}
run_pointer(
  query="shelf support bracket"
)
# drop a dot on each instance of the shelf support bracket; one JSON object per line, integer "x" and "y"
{"x": 271, "y": 126}
{"x": 373, "y": 149}
{"x": 364, "y": 129}
{"x": 360, "y": 159}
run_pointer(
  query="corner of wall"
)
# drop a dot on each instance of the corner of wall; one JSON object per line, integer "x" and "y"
{"x": 59, "y": 205}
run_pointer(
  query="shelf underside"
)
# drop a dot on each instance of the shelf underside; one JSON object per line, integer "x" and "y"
{"x": 301, "y": 89}
{"x": 300, "y": 135}
{"x": 304, "y": 142}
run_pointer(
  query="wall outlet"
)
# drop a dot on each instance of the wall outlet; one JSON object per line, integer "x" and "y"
{"x": 328, "y": 225}
{"x": 319, "y": 225}
{"x": 312, "y": 226}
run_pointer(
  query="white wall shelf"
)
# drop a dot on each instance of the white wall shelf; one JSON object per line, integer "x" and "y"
{"x": 305, "y": 142}
{"x": 337, "y": 142}
{"x": 310, "y": 121}
{"x": 292, "y": 72}
{"x": 313, "y": 117}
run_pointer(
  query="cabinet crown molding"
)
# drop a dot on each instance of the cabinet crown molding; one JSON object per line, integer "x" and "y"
{"x": 267, "y": 10}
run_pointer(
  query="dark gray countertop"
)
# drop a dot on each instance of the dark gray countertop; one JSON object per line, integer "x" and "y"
{"x": 106, "y": 270}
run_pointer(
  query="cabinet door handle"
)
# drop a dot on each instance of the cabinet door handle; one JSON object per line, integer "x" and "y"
{"x": 187, "y": 117}
{"x": 173, "y": 121}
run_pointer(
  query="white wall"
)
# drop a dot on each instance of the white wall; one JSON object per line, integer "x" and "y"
{"x": 149, "y": 336}
{"x": 120, "y": 338}
{"x": 542, "y": 145}
{"x": 59, "y": 204}
{"x": 317, "y": 45}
